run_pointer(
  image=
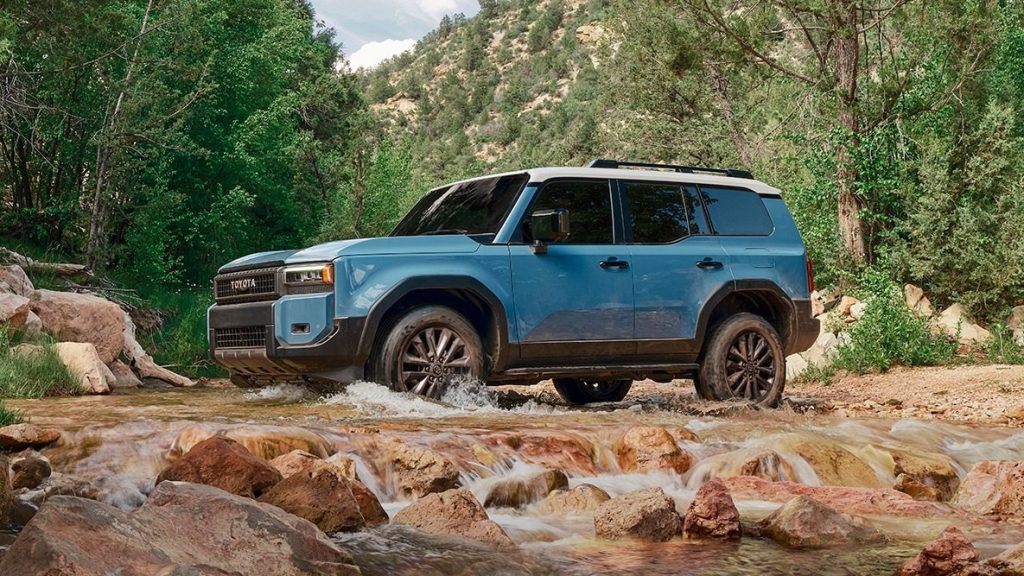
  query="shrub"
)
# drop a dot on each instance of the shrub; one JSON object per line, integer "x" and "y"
{"x": 32, "y": 375}
{"x": 1002, "y": 348}
{"x": 889, "y": 333}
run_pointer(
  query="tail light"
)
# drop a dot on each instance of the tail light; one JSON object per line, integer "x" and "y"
{"x": 810, "y": 276}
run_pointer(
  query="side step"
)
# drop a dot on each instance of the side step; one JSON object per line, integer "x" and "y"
{"x": 599, "y": 370}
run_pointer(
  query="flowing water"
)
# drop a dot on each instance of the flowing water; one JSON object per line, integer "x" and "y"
{"x": 121, "y": 443}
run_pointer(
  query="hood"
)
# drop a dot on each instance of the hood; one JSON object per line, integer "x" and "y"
{"x": 260, "y": 260}
{"x": 456, "y": 244}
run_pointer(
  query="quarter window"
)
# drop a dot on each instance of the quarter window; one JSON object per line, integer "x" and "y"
{"x": 659, "y": 213}
{"x": 737, "y": 212}
{"x": 590, "y": 209}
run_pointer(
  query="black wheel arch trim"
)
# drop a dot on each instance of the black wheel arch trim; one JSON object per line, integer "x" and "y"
{"x": 440, "y": 282}
{"x": 800, "y": 328}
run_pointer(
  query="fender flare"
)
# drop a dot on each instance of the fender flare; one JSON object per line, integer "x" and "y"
{"x": 739, "y": 287}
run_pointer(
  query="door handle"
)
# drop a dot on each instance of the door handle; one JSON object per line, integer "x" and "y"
{"x": 709, "y": 264}
{"x": 614, "y": 263}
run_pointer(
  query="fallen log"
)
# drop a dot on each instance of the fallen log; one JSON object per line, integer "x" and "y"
{"x": 8, "y": 256}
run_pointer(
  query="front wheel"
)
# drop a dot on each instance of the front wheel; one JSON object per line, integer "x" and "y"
{"x": 744, "y": 361}
{"x": 426, "y": 350}
{"x": 583, "y": 391}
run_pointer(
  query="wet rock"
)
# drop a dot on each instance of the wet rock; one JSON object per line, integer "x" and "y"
{"x": 30, "y": 471}
{"x": 58, "y": 484}
{"x": 551, "y": 449}
{"x": 516, "y": 493}
{"x": 1009, "y": 563}
{"x": 955, "y": 319}
{"x": 181, "y": 529}
{"x": 934, "y": 472}
{"x": 22, "y": 512}
{"x": 325, "y": 497}
{"x": 645, "y": 514}
{"x": 299, "y": 461}
{"x": 915, "y": 489}
{"x": 123, "y": 376}
{"x": 225, "y": 464}
{"x": 14, "y": 311}
{"x": 6, "y": 496}
{"x": 917, "y": 301}
{"x": 860, "y": 501}
{"x": 803, "y": 522}
{"x": 419, "y": 471}
{"x": 650, "y": 448}
{"x": 712, "y": 514}
{"x": 85, "y": 365}
{"x": 835, "y": 465}
{"x": 948, "y": 555}
{"x": 766, "y": 464}
{"x": 72, "y": 317}
{"x": 581, "y": 499}
{"x": 266, "y": 442}
{"x": 993, "y": 487}
{"x": 344, "y": 464}
{"x": 18, "y": 437}
{"x": 453, "y": 513}
{"x": 16, "y": 280}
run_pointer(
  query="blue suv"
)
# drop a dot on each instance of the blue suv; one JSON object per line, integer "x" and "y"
{"x": 593, "y": 277}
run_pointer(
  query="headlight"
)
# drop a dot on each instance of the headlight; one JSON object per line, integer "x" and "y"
{"x": 309, "y": 274}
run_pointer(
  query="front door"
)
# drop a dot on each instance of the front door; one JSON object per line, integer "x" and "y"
{"x": 574, "y": 304}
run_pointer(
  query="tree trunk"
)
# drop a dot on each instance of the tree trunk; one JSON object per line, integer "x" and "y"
{"x": 720, "y": 87}
{"x": 851, "y": 227}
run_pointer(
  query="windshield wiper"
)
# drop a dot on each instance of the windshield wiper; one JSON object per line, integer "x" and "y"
{"x": 445, "y": 231}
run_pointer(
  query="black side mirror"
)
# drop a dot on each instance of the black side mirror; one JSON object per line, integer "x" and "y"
{"x": 548, "y": 226}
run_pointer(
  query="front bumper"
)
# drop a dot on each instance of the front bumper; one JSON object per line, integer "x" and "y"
{"x": 806, "y": 328}
{"x": 242, "y": 339}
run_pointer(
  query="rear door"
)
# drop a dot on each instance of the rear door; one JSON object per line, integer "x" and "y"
{"x": 677, "y": 265}
{"x": 744, "y": 228}
{"x": 574, "y": 304}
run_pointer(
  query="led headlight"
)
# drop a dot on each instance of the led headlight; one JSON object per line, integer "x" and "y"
{"x": 309, "y": 274}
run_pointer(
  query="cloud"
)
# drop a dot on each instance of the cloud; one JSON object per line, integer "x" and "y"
{"x": 358, "y": 22}
{"x": 438, "y": 8}
{"x": 373, "y": 53}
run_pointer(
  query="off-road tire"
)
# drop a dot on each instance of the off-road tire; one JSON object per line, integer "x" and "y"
{"x": 386, "y": 364}
{"x": 579, "y": 391}
{"x": 746, "y": 351}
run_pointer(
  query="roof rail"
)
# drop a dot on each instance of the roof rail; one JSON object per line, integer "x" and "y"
{"x": 614, "y": 164}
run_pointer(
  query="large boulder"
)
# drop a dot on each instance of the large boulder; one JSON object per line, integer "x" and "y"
{"x": 553, "y": 449}
{"x": 766, "y": 464}
{"x": 419, "y": 471}
{"x": 325, "y": 497}
{"x": 86, "y": 367}
{"x": 650, "y": 448}
{"x": 955, "y": 320}
{"x": 181, "y": 529}
{"x": 300, "y": 461}
{"x": 584, "y": 498}
{"x": 947, "y": 555}
{"x": 803, "y": 522}
{"x": 123, "y": 376}
{"x": 266, "y": 442}
{"x": 645, "y": 514}
{"x": 16, "y": 281}
{"x": 516, "y": 493}
{"x": 835, "y": 465}
{"x": 712, "y": 514}
{"x": 18, "y": 437}
{"x": 1016, "y": 324}
{"x": 225, "y": 464}
{"x": 454, "y": 513}
{"x": 917, "y": 301}
{"x": 14, "y": 311}
{"x": 926, "y": 476}
{"x": 72, "y": 317}
{"x": 823, "y": 350}
{"x": 993, "y": 487}
{"x": 859, "y": 501}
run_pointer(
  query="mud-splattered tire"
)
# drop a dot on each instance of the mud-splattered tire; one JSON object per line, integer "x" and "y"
{"x": 745, "y": 360}
{"x": 579, "y": 391}
{"x": 425, "y": 350}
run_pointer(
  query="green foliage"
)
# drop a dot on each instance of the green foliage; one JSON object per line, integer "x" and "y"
{"x": 10, "y": 416}
{"x": 32, "y": 374}
{"x": 1002, "y": 348}
{"x": 889, "y": 333}
{"x": 181, "y": 343}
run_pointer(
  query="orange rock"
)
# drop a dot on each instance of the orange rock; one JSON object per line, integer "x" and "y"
{"x": 649, "y": 448}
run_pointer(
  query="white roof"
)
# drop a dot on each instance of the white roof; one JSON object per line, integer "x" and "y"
{"x": 544, "y": 174}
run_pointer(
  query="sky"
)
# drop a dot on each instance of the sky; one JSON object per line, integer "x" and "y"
{"x": 373, "y": 30}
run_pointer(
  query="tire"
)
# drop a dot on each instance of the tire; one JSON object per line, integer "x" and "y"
{"x": 703, "y": 391}
{"x": 744, "y": 360}
{"x": 579, "y": 391}
{"x": 419, "y": 334}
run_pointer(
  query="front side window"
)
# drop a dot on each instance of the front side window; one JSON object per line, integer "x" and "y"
{"x": 475, "y": 207}
{"x": 590, "y": 209}
{"x": 737, "y": 212}
{"x": 662, "y": 213}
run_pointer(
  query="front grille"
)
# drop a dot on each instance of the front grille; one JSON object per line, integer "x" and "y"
{"x": 247, "y": 286}
{"x": 246, "y": 337}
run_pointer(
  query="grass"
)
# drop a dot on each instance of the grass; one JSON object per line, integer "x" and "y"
{"x": 9, "y": 416}
{"x": 181, "y": 343}
{"x": 31, "y": 374}
{"x": 1002, "y": 348}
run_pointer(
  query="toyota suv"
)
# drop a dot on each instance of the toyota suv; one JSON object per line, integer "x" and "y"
{"x": 591, "y": 277}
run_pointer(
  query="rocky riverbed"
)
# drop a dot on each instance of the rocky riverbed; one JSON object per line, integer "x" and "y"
{"x": 507, "y": 481}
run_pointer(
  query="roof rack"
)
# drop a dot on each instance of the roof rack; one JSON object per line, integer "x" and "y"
{"x": 614, "y": 164}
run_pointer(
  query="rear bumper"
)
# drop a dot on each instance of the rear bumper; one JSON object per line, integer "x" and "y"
{"x": 806, "y": 328}
{"x": 242, "y": 340}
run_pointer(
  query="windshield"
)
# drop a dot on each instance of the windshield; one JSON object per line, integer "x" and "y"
{"x": 476, "y": 207}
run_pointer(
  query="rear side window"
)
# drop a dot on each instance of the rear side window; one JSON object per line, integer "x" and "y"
{"x": 737, "y": 212}
{"x": 590, "y": 209}
{"x": 661, "y": 213}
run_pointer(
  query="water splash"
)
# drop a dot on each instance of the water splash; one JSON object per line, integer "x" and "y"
{"x": 461, "y": 398}
{"x": 284, "y": 393}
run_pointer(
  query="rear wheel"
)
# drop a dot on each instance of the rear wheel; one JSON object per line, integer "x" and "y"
{"x": 581, "y": 391}
{"x": 744, "y": 361}
{"x": 426, "y": 350}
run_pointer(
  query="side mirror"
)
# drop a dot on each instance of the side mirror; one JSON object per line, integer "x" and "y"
{"x": 547, "y": 226}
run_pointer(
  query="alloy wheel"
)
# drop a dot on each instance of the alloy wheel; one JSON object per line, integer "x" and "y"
{"x": 750, "y": 366}
{"x": 432, "y": 358}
